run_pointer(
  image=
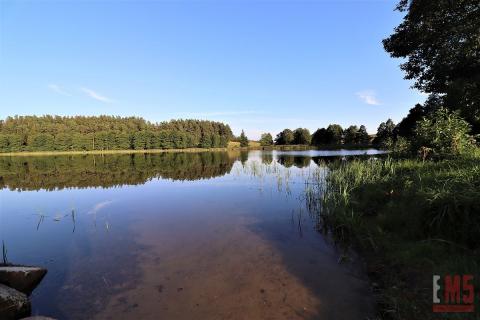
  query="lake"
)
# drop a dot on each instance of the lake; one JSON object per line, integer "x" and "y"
{"x": 210, "y": 235}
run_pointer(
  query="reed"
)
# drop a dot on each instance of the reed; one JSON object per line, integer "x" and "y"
{"x": 409, "y": 218}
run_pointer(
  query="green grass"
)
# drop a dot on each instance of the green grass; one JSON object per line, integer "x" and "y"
{"x": 236, "y": 145}
{"x": 410, "y": 219}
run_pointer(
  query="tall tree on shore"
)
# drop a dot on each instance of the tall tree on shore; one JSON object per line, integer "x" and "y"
{"x": 320, "y": 137}
{"x": 385, "y": 134}
{"x": 335, "y": 134}
{"x": 439, "y": 40}
{"x": 301, "y": 136}
{"x": 351, "y": 135}
{"x": 266, "y": 139}
{"x": 285, "y": 137}
{"x": 363, "y": 137}
{"x": 243, "y": 140}
{"x": 406, "y": 127}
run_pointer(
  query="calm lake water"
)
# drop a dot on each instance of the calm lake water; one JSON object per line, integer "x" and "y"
{"x": 178, "y": 236}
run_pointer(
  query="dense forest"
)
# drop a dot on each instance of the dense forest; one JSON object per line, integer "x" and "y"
{"x": 57, "y": 133}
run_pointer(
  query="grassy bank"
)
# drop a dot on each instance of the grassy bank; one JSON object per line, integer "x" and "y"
{"x": 251, "y": 145}
{"x": 410, "y": 219}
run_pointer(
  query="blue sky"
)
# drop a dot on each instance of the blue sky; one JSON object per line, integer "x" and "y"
{"x": 257, "y": 65}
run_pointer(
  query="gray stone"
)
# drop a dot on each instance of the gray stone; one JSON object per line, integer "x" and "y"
{"x": 22, "y": 278}
{"x": 13, "y": 304}
{"x": 37, "y": 318}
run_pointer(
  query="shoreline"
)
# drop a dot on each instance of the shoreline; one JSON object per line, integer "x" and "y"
{"x": 124, "y": 151}
{"x": 132, "y": 151}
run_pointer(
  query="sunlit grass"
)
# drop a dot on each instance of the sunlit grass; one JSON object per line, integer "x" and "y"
{"x": 410, "y": 218}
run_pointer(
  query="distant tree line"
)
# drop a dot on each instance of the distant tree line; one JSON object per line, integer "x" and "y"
{"x": 438, "y": 42}
{"x": 50, "y": 133}
{"x": 334, "y": 134}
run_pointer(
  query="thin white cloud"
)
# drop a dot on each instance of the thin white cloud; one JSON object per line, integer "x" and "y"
{"x": 369, "y": 97}
{"x": 95, "y": 95}
{"x": 57, "y": 89}
{"x": 215, "y": 113}
{"x": 97, "y": 207}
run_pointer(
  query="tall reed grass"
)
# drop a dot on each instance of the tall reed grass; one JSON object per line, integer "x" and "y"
{"x": 409, "y": 218}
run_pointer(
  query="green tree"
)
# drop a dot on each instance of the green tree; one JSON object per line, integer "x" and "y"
{"x": 41, "y": 142}
{"x": 162, "y": 140}
{"x": 82, "y": 142}
{"x": 266, "y": 139}
{"x": 140, "y": 140}
{"x": 102, "y": 140}
{"x": 439, "y": 42}
{"x": 406, "y": 127}
{"x": 122, "y": 141}
{"x": 16, "y": 142}
{"x": 320, "y": 137}
{"x": 363, "y": 137}
{"x": 285, "y": 137}
{"x": 335, "y": 134}
{"x": 301, "y": 136}
{"x": 243, "y": 140}
{"x": 63, "y": 141}
{"x": 385, "y": 134}
{"x": 4, "y": 144}
{"x": 206, "y": 141}
{"x": 215, "y": 141}
{"x": 150, "y": 138}
{"x": 223, "y": 141}
{"x": 351, "y": 135}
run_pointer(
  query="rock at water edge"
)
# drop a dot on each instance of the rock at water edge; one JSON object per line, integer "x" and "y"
{"x": 13, "y": 304}
{"x": 21, "y": 278}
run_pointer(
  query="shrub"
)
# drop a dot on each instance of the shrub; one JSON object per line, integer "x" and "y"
{"x": 444, "y": 133}
{"x": 402, "y": 146}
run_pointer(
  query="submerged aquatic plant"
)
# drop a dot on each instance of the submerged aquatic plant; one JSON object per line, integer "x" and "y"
{"x": 4, "y": 253}
{"x": 41, "y": 217}
{"x": 73, "y": 220}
